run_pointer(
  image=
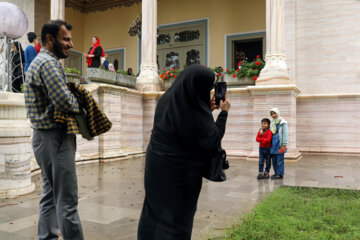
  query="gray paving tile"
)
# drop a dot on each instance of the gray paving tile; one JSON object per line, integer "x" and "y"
{"x": 111, "y": 196}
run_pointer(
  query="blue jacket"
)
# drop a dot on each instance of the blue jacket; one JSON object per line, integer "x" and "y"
{"x": 283, "y": 132}
{"x": 30, "y": 54}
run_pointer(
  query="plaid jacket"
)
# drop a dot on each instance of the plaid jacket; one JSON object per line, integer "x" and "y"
{"x": 97, "y": 121}
{"x": 45, "y": 89}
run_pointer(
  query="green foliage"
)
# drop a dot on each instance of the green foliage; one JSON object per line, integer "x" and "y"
{"x": 72, "y": 70}
{"x": 22, "y": 88}
{"x": 217, "y": 70}
{"x": 122, "y": 72}
{"x": 303, "y": 213}
{"x": 247, "y": 69}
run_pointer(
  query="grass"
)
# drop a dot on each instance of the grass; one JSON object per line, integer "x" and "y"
{"x": 302, "y": 213}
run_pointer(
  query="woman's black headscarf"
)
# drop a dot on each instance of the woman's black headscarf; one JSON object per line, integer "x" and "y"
{"x": 183, "y": 113}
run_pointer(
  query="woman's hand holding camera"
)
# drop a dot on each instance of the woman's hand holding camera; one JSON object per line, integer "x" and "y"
{"x": 212, "y": 103}
{"x": 225, "y": 105}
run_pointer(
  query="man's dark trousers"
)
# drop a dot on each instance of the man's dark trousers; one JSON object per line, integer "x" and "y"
{"x": 54, "y": 151}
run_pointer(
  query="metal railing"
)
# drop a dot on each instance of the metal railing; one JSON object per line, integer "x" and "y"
{"x": 8, "y": 67}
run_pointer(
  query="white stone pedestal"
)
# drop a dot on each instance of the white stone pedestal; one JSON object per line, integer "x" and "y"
{"x": 15, "y": 146}
{"x": 284, "y": 98}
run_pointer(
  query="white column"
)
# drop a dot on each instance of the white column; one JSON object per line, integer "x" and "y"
{"x": 57, "y": 10}
{"x": 148, "y": 79}
{"x": 275, "y": 70}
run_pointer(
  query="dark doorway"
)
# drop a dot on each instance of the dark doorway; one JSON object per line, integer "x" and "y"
{"x": 116, "y": 64}
{"x": 247, "y": 50}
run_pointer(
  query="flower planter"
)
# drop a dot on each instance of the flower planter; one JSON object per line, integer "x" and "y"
{"x": 101, "y": 75}
{"x": 238, "y": 82}
{"x": 169, "y": 82}
{"x": 125, "y": 80}
{"x": 72, "y": 77}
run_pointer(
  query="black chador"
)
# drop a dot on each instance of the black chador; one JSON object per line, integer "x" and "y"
{"x": 184, "y": 137}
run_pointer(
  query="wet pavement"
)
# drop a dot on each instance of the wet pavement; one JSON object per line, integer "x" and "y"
{"x": 111, "y": 196}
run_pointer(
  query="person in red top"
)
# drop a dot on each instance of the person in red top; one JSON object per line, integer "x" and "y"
{"x": 264, "y": 138}
{"x": 38, "y": 46}
{"x": 94, "y": 54}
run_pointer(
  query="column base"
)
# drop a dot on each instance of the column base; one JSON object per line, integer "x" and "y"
{"x": 13, "y": 193}
{"x": 149, "y": 87}
{"x": 149, "y": 79}
{"x": 273, "y": 81}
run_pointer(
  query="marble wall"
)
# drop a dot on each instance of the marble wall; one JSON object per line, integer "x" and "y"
{"x": 328, "y": 123}
{"x": 322, "y": 45}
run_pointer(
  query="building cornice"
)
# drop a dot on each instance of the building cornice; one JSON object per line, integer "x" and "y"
{"x": 87, "y": 6}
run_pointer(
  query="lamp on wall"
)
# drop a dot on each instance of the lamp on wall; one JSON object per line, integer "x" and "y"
{"x": 135, "y": 27}
{"x": 13, "y": 24}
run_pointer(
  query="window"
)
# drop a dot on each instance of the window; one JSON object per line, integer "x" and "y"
{"x": 246, "y": 50}
{"x": 244, "y": 46}
{"x": 116, "y": 57}
{"x": 182, "y": 44}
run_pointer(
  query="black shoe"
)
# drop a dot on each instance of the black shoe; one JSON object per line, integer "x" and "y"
{"x": 277, "y": 177}
{"x": 260, "y": 176}
{"x": 266, "y": 175}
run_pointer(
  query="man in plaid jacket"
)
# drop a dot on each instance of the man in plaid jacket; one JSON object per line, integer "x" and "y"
{"x": 54, "y": 148}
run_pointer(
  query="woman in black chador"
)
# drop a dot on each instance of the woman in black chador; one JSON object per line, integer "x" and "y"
{"x": 17, "y": 65}
{"x": 184, "y": 137}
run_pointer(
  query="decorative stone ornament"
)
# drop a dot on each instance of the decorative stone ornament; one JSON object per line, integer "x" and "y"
{"x": 13, "y": 21}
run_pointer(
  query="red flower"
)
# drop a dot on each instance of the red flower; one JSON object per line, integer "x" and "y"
{"x": 161, "y": 75}
{"x": 227, "y": 70}
{"x": 171, "y": 74}
{"x": 174, "y": 76}
{"x": 234, "y": 75}
{"x": 255, "y": 78}
{"x": 205, "y": 65}
{"x": 252, "y": 69}
{"x": 257, "y": 63}
{"x": 258, "y": 56}
{"x": 237, "y": 70}
{"x": 166, "y": 77}
{"x": 163, "y": 68}
{"x": 239, "y": 63}
{"x": 167, "y": 73}
{"x": 219, "y": 74}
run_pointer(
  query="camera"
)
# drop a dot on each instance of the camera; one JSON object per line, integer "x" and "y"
{"x": 220, "y": 91}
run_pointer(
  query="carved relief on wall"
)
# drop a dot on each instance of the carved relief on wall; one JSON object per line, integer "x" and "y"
{"x": 163, "y": 39}
{"x": 172, "y": 60}
{"x": 192, "y": 57}
{"x": 186, "y": 36}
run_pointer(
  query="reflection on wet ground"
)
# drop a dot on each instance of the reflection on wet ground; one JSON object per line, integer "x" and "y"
{"x": 111, "y": 196}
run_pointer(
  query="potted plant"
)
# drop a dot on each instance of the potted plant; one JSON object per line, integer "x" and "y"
{"x": 169, "y": 75}
{"x": 101, "y": 75}
{"x": 72, "y": 75}
{"x": 124, "y": 79}
{"x": 246, "y": 73}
